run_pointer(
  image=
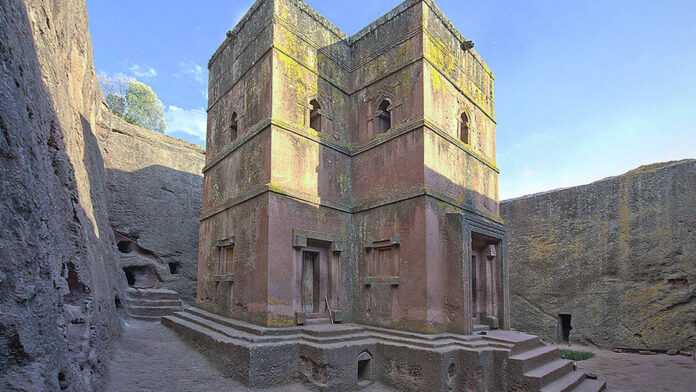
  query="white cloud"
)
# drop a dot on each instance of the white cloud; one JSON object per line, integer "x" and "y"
{"x": 193, "y": 70}
{"x": 142, "y": 71}
{"x": 114, "y": 83}
{"x": 190, "y": 121}
{"x": 113, "y": 78}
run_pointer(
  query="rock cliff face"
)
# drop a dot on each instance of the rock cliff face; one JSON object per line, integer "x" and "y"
{"x": 154, "y": 191}
{"x": 617, "y": 256}
{"x": 58, "y": 294}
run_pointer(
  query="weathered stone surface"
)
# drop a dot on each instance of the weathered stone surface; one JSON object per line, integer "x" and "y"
{"x": 154, "y": 192}
{"x": 618, "y": 255}
{"x": 360, "y": 139}
{"x": 58, "y": 281}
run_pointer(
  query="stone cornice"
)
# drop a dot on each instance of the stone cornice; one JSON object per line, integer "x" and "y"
{"x": 363, "y": 207}
{"x": 347, "y": 150}
{"x": 442, "y": 133}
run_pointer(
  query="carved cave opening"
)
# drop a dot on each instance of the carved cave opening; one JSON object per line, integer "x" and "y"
{"x": 141, "y": 276}
{"x": 364, "y": 368}
{"x": 174, "y": 268}
{"x": 125, "y": 246}
{"x": 566, "y": 326}
{"x": 76, "y": 289}
{"x": 451, "y": 376}
{"x": 62, "y": 381}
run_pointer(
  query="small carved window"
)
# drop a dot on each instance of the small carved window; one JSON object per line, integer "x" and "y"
{"x": 315, "y": 115}
{"x": 233, "y": 127}
{"x": 464, "y": 132}
{"x": 384, "y": 119}
{"x": 225, "y": 262}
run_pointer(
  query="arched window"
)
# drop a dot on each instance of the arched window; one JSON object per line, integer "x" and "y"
{"x": 233, "y": 127}
{"x": 315, "y": 115}
{"x": 384, "y": 120}
{"x": 464, "y": 134}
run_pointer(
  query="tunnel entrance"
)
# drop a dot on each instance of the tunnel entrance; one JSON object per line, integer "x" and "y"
{"x": 364, "y": 371}
{"x": 125, "y": 246}
{"x": 565, "y": 321}
{"x": 141, "y": 276}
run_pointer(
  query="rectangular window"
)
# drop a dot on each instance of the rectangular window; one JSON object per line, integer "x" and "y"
{"x": 225, "y": 260}
{"x": 384, "y": 262}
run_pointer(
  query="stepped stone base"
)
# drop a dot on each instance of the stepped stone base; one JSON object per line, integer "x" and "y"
{"x": 346, "y": 357}
{"x": 152, "y": 304}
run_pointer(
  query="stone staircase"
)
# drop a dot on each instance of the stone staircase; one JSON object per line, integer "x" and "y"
{"x": 530, "y": 365}
{"x": 317, "y": 318}
{"x": 152, "y": 304}
{"x": 539, "y": 367}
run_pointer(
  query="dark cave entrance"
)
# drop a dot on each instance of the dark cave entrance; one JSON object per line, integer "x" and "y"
{"x": 125, "y": 246}
{"x": 141, "y": 276}
{"x": 364, "y": 368}
{"x": 565, "y": 320}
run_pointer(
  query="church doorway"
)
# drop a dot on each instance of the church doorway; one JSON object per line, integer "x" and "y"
{"x": 311, "y": 285}
{"x": 486, "y": 281}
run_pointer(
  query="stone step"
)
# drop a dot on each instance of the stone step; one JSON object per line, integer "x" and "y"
{"x": 589, "y": 385}
{"x": 565, "y": 383}
{"x": 550, "y": 372}
{"x": 152, "y": 302}
{"x": 145, "y": 318}
{"x": 316, "y": 321}
{"x": 152, "y": 294}
{"x": 316, "y": 330}
{"x": 152, "y": 311}
{"x": 522, "y": 342}
{"x": 193, "y": 330}
{"x": 316, "y": 315}
{"x": 347, "y": 336}
{"x": 536, "y": 357}
{"x": 222, "y": 329}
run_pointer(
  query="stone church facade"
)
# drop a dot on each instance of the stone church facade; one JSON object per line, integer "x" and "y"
{"x": 350, "y": 228}
{"x": 358, "y": 172}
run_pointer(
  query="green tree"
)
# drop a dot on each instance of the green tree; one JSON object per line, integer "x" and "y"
{"x": 135, "y": 102}
{"x": 144, "y": 107}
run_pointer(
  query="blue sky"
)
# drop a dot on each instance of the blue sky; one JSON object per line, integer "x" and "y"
{"x": 584, "y": 89}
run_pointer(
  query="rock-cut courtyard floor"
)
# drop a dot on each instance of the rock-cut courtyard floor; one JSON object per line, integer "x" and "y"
{"x": 149, "y": 357}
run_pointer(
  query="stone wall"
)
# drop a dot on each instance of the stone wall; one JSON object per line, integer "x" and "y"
{"x": 617, "y": 255}
{"x": 154, "y": 192}
{"x": 59, "y": 287}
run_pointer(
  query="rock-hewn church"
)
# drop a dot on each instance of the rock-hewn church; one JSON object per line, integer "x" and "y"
{"x": 350, "y": 229}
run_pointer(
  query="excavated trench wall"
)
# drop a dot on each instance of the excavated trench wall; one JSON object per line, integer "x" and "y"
{"x": 62, "y": 281}
{"x": 154, "y": 192}
{"x": 59, "y": 285}
{"x": 611, "y": 263}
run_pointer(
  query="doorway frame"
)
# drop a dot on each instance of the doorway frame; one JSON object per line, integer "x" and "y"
{"x": 333, "y": 247}
{"x": 461, "y": 227}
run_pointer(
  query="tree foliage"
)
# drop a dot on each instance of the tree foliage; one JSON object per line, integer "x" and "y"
{"x": 135, "y": 102}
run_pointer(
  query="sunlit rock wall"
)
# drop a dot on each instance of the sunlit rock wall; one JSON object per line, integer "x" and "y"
{"x": 617, "y": 255}
{"x": 154, "y": 192}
